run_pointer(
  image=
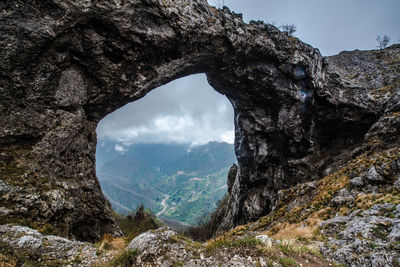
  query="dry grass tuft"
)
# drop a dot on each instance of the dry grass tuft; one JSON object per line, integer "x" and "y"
{"x": 6, "y": 261}
{"x": 297, "y": 230}
{"x": 366, "y": 201}
{"x": 108, "y": 242}
{"x": 118, "y": 243}
{"x": 383, "y": 91}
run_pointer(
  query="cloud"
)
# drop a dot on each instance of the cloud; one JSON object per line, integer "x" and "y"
{"x": 187, "y": 110}
{"x": 119, "y": 148}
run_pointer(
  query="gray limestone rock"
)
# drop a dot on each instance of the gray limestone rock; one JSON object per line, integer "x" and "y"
{"x": 357, "y": 182}
{"x": 397, "y": 211}
{"x": 164, "y": 247}
{"x": 46, "y": 249}
{"x": 149, "y": 241}
{"x": 265, "y": 239}
{"x": 394, "y": 234}
{"x": 373, "y": 176}
{"x": 363, "y": 238}
{"x": 343, "y": 197}
{"x": 231, "y": 177}
{"x": 28, "y": 241}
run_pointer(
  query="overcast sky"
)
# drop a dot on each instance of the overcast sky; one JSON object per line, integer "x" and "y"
{"x": 188, "y": 110}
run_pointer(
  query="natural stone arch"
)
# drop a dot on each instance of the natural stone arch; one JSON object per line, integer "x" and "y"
{"x": 67, "y": 64}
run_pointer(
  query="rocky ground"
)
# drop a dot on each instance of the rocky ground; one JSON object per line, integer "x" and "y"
{"x": 162, "y": 247}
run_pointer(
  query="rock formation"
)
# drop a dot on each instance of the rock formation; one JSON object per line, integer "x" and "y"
{"x": 67, "y": 64}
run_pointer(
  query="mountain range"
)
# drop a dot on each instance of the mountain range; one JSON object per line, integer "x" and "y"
{"x": 176, "y": 181}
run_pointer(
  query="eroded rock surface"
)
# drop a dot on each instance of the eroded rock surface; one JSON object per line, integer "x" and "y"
{"x": 164, "y": 247}
{"x": 66, "y": 64}
{"x": 365, "y": 238}
{"x": 29, "y": 245}
{"x": 161, "y": 247}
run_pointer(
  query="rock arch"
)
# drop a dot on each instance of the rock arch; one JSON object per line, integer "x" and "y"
{"x": 66, "y": 64}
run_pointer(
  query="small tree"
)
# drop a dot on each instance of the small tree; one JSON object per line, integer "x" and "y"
{"x": 290, "y": 29}
{"x": 383, "y": 41}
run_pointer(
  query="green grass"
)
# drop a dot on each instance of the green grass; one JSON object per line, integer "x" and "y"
{"x": 247, "y": 241}
{"x": 381, "y": 231}
{"x": 373, "y": 245}
{"x": 287, "y": 248}
{"x": 128, "y": 258}
{"x": 395, "y": 246}
{"x": 243, "y": 242}
{"x": 313, "y": 251}
{"x": 288, "y": 262}
{"x": 177, "y": 263}
{"x": 304, "y": 240}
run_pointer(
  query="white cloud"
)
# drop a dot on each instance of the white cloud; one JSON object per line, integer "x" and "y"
{"x": 119, "y": 148}
{"x": 228, "y": 137}
{"x": 187, "y": 110}
{"x": 173, "y": 123}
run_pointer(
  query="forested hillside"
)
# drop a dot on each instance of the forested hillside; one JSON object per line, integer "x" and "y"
{"x": 175, "y": 181}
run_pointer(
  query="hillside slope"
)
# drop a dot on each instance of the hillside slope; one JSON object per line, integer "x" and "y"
{"x": 175, "y": 181}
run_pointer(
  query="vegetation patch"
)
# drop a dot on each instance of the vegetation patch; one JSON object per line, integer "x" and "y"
{"x": 288, "y": 262}
{"x": 177, "y": 263}
{"x": 297, "y": 230}
{"x": 139, "y": 222}
{"x": 127, "y": 258}
{"x": 379, "y": 93}
{"x": 11, "y": 172}
{"x": 7, "y": 261}
{"x": 11, "y": 257}
{"x": 381, "y": 230}
{"x": 43, "y": 228}
{"x": 207, "y": 226}
{"x": 108, "y": 242}
{"x": 225, "y": 242}
{"x": 365, "y": 201}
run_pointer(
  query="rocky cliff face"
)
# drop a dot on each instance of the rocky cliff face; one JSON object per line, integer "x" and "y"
{"x": 66, "y": 64}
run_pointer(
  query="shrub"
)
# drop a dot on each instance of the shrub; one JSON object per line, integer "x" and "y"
{"x": 208, "y": 223}
{"x": 139, "y": 222}
{"x": 383, "y": 42}
{"x": 290, "y": 29}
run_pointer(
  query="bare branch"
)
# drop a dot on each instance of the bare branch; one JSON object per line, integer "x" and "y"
{"x": 290, "y": 29}
{"x": 383, "y": 41}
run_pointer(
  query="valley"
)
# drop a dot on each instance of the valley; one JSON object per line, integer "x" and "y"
{"x": 175, "y": 181}
{"x": 163, "y": 203}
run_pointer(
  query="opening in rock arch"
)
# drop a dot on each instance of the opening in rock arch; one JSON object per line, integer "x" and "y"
{"x": 170, "y": 151}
